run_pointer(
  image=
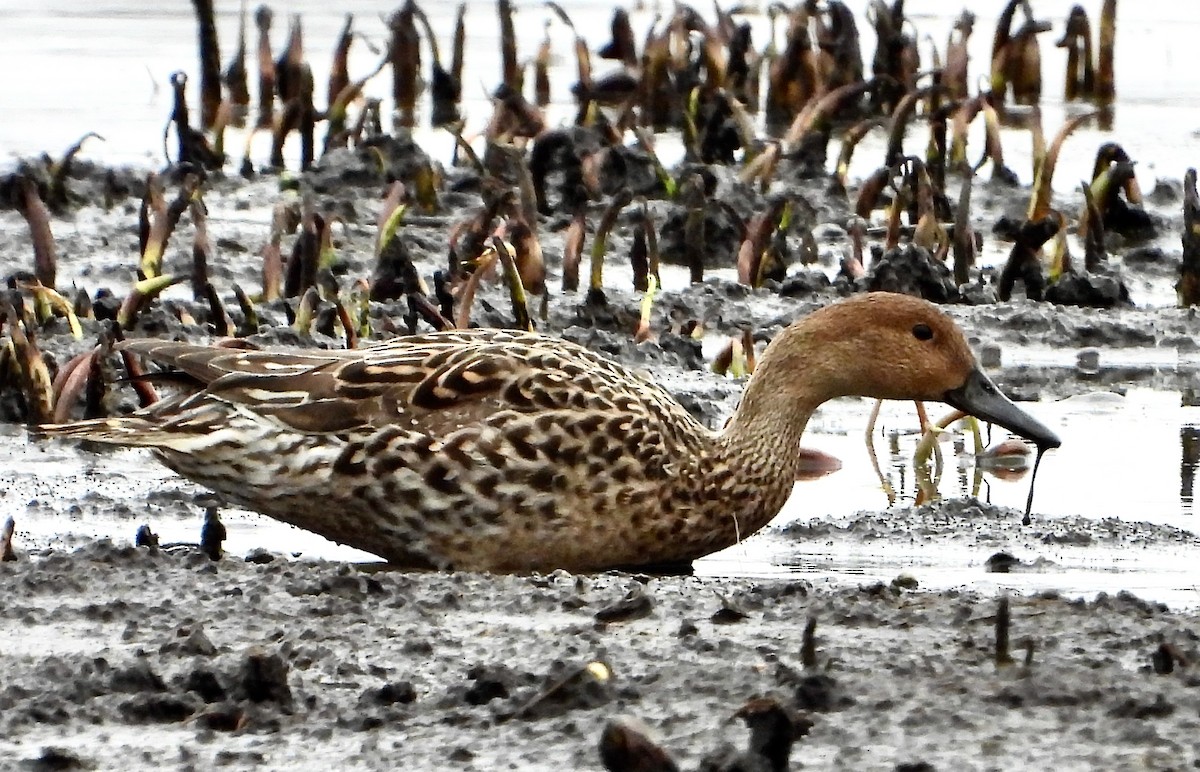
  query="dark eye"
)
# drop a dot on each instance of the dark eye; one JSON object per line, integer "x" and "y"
{"x": 922, "y": 332}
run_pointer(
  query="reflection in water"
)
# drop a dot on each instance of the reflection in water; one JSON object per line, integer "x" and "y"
{"x": 1189, "y": 441}
{"x": 1007, "y": 461}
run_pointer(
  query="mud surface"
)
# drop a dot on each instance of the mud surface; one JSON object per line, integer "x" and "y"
{"x": 169, "y": 660}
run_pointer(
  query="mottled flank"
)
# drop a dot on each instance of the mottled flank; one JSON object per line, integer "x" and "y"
{"x": 506, "y": 451}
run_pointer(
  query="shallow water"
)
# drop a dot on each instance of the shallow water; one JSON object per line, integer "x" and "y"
{"x": 104, "y": 68}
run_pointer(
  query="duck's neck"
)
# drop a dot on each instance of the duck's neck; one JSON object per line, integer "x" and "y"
{"x": 769, "y": 419}
{"x": 761, "y": 442}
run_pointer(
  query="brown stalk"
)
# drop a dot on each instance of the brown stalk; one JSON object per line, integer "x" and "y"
{"x": 301, "y": 269}
{"x": 405, "y": 53}
{"x": 308, "y": 118}
{"x": 485, "y": 263}
{"x": 1024, "y": 262}
{"x": 573, "y": 251}
{"x": 69, "y": 384}
{"x": 445, "y": 90}
{"x": 960, "y": 123}
{"x": 58, "y": 198}
{"x": 97, "y": 381}
{"x": 723, "y": 359}
{"x": 152, "y": 227}
{"x": 694, "y": 199}
{"x": 1188, "y": 287}
{"x": 854, "y": 266}
{"x": 541, "y": 70}
{"x": 1039, "y": 204}
{"x": 306, "y": 310}
{"x": 639, "y": 261}
{"x": 964, "y": 236}
{"x": 347, "y": 322}
{"x": 511, "y": 69}
{"x": 928, "y": 232}
{"x": 899, "y": 123}
{"x": 83, "y": 305}
{"x": 250, "y": 322}
{"x": 850, "y": 141}
{"x": 210, "y": 62}
{"x": 954, "y": 73}
{"x": 7, "y": 554}
{"x": 526, "y": 254}
{"x": 201, "y": 249}
{"x": 36, "y": 385}
{"x": 935, "y": 149}
{"x": 272, "y": 268}
{"x": 443, "y": 294}
{"x": 1026, "y": 63}
{"x": 600, "y": 242}
{"x": 137, "y": 378}
{"x": 622, "y": 47}
{"x": 337, "y": 135}
{"x": 460, "y": 39}
{"x": 657, "y": 98}
{"x": 266, "y": 68}
{"x": 1080, "y": 79}
{"x": 339, "y": 69}
{"x": 758, "y": 234}
{"x": 391, "y": 202}
{"x": 1110, "y": 153}
{"x": 994, "y": 150}
{"x": 895, "y": 209}
{"x": 37, "y": 217}
{"x": 793, "y": 77}
{"x": 652, "y": 253}
{"x": 235, "y": 76}
{"x": 1106, "y": 89}
{"x": 870, "y": 191}
{"x": 1002, "y": 49}
{"x": 817, "y": 113}
{"x": 288, "y": 78}
{"x": 1093, "y": 236}
{"x": 583, "y": 65}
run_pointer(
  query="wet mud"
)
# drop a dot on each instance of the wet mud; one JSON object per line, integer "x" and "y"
{"x": 171, "y": 660}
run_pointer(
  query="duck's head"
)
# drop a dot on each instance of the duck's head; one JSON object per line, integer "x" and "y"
{"x": 892, "y": 346}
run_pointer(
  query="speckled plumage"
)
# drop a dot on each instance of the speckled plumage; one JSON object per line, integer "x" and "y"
{"x": 485, "y": 449}
{"x": 507, "y": 451}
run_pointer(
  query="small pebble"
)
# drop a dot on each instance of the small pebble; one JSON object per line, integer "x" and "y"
{"x": 1087, "y": 361}
{"x": 990, "y": 355}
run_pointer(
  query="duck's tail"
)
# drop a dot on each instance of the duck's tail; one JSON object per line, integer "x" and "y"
{"x": 174, "y": 423}
{"x": 130, "y": 431}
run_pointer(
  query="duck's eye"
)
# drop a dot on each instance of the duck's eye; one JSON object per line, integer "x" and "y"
{"x": 922, "y": 332}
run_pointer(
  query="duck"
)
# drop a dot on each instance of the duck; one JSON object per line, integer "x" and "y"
{"x": 514, "y": 452}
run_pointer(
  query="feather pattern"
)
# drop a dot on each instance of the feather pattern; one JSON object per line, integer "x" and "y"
{"x": 479, "y": 448}
{"x": 512, "y": 451}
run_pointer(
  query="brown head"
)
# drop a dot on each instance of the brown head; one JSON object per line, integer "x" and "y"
{"x": 890, "y": 346}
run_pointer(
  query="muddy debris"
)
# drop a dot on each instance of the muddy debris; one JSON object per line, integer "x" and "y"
{"x": 311, "y": 672}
